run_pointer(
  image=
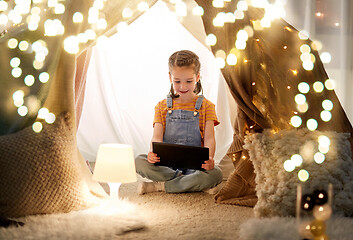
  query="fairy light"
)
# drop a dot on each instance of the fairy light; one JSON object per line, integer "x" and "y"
{"x": 304, "y": 87}
{"x": 232, "y": 59}
{"x": 239, "y": 14}
{"x": 71, "y": 45}
{"x": 303, "y": 175}
{"x": 198, "y": 11}
{"x": 318, "y": 87}
{"x": 230, "y": 17}
{"x": 77, "y": 17}
{"x": 249, "y": 30}
{"x": 239, "y": 44}
{"x": 325, "y": 57}
{"x": 22, "y": 111}
{"x": 15, "y": 62}
{"x": 37, "y": 127}
{"x": 308, "y": 65}
{"x": 59, "y": 8}
{"x": 296, "y": 121}
{"x": 220, "y": 62}
{"x": 43, "y": 113}
{"x": 218, "y": 3}
{"x": 23, "y": 45}
{"x": 303, "y": 107}
{"x": 326, "y": 116}
{"x": 127, "y": 13}
{"x": 289, "y": 166}
{"x": 102, "y": 23}
{"x": 143, "y": 6}
{"x": 303, "y": 35}
{"x": 3, "y": 5}
{"x": 330, "y": 84}
{"x": 319, "y": 157}
{"x": 29, "y": 80}
{"x": 316, "y": 45}
{"x": 16, "y": 72}
{"x": 311, "y": 124}
{"x": 242, "y": 6}
{"x": 300, "y": 99}
{"x": 181, "y": 9}
{"x": 220, "y": 54}
{"x": 297, "y": 160}
{"x": 18, "y": 95}
{"x": 44, "y": 77}
{"x": 327, "y": 105}
{"x": 90, "y": 34}
{"x": 211, "y": 39}
{"x": 3, "y": 19}
{"x": 305, "y": 48}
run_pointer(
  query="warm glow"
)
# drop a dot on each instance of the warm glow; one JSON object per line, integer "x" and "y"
{"x": 242, "y": 6}
{"x": 218, "y": 3}
{"x": 71, "y": 45}
{"x": 303, "y": 35}
{"x": 304, "y": 87}
{"x": 303, "y": 175}
{"x": 37, "y": 127}
{"x": 324, "y": 140}
{"x": 305, "y": 48}
{"x": 312, "y": 124}
{"x": 319, "y": 157}
{"x": 198, "y": 11}
{"x": 300, "y": 99}
{"x": 77, "y": 17}
{"x": 16, "y": 72}
{"x": 297, "y": 160}
{"x": 220, "y": 62}
{"x": 15, "y": 62}
{"x": 43, "y": 113}
{"x": 318, "y": 87}
{"x": 326, "y": 116}
{"x": 289, "y": 165}
{"x": 22, "y": 111}
{"x": 327, "y": 105}
{"x": 296, "y": 121}
{"x": 325, "y": 57}
{"x": 232, "y": 59}
{"x": 316, "y": 45}
{"x": 308, "y": 65}
{"x": 303, "y": 107}
{"x": 211, "y": 39}
{"x": 44, "y": 77}
{"x": 29, "y": 80}
{"x": 330, "y": 84}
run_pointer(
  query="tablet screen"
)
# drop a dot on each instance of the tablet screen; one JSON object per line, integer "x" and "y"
{"x": 180, "y": 156}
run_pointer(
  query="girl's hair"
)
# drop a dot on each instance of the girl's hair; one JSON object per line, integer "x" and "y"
{"x": 185, "y": 58}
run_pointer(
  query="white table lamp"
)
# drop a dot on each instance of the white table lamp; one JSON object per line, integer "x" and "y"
{"x": 115, "y": 165}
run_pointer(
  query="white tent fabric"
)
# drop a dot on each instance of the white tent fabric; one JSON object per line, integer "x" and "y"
{"x": 128, "y": 75}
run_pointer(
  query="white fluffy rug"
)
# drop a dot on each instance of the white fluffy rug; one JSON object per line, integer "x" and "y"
{"x": 103, "y": 222}
{"x": 285, "y": 228}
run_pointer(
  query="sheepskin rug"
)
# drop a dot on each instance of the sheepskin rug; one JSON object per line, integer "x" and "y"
{"x": 109, "y": 219}
{"x": 276, "y": 188}
{"x": 285, "y": 228}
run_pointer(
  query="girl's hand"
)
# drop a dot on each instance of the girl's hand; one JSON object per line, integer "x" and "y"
{"x": 208, "y": 165}
{"x": 152, "y": 157}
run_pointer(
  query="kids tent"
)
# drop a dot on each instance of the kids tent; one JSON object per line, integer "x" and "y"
{"x": 39, "y": 158}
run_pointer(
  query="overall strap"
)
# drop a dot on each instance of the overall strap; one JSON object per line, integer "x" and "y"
{"x": 198, "y": 104}
{"x": 169, "y": 103}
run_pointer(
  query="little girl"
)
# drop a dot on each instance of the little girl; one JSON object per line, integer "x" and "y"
{"x": 183, "y": 118}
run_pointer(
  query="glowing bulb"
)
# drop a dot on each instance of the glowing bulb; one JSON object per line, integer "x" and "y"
{"x": 296, "y": 121}
{"x": 239, "y": 14}
{"x": 71, "y": 45}
{"x": 77, "y": 17}
{"x": 29, "y": 80}
{"x": 15, "y": 62}
{"x": 220, "y": 54}
{"x": 211, "y": 39}
{"x": 319, "y": 157}
{"x": 327, "y": 105}
{"x": 127, "y": 13}
{"x": 242, "y": 6}
{"x": 43, "y": 113}
{"x": 12, "y": 43}
{"x": 102, "y": 23}
{"x": 324, "y": 140}
{"x": 220, "y": 62}
{"x": 305, "y": 48}
{"x": 218, "y": 3}
{"x": 218, "y": 22}
{"x": 143, "y": 6}
{"x": 16, "y": 72}
{"x": 232, "y": 59}
{"x": 316, "y": 45}
{"x": 249, "y": 30}
{"x": 305, "y": 57}
{"x": 18, "y": 95}
{"x": 265, "y": 22}
{"x": 37, "y": 64}
{"x": 325, "y": 57}
{"x": 52, "y": 3}
{"x": 308, "y": 65}
{"x": 303, "y": 175}
{"x": 324, "y": 149}
{"x": 318, "y": 87}
{"x": 198, "y": 11}
{"x": 297, "y": 160}
{"x": 242, "y": 35}
{"x": 3, "y": 5}
{"x": 303, "y": 35}
{"x": 239, "y": 44}
{"x": 22, "y": 111}
{"x": 50, "y": 118}
{"x": 289, "y": 166}
{"x": 326, "y": 116}
{"x": 32, "y": 26}
{"x": 3, "y": 18}
{"x": 300, "y": 99}
{"x": 59, "y": 8}
{"x": 304, "y": 87}
{"x": 330, "y": 84}
{"x": 37, "y": 127}
{"x": 312, "y": 124}
{"x": 303, "y": 107}
{"x": 44, "y": 77}
{"x": 90, "y": 34}
{"x": 23, "y": 45}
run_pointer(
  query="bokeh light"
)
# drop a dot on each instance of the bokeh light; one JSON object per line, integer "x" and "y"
{"x": 312, "y": 124}
{"x": 319, "y": 157}
{"x": 296, "y": 121}
{"x": 327, "y": 105}
{"x": 303, "y": 175}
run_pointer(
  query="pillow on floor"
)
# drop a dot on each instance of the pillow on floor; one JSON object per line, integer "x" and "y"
{"x": 276, "y": 189}
{"x": 39, "y": 172}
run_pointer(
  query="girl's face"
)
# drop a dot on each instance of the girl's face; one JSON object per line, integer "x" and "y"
{"x": 184, "y": 81}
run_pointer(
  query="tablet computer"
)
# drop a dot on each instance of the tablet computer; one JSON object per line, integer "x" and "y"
{"x": 180, "y": 156}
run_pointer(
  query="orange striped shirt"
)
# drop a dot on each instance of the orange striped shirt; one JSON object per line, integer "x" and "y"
{"x": 207, "y": 112}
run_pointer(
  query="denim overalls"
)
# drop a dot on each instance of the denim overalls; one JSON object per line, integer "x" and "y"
{"x": 182, "y": 127}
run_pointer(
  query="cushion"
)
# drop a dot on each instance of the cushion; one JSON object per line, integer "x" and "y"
{"x": 39, "y": 172}
{"x": 276, "y": 188}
